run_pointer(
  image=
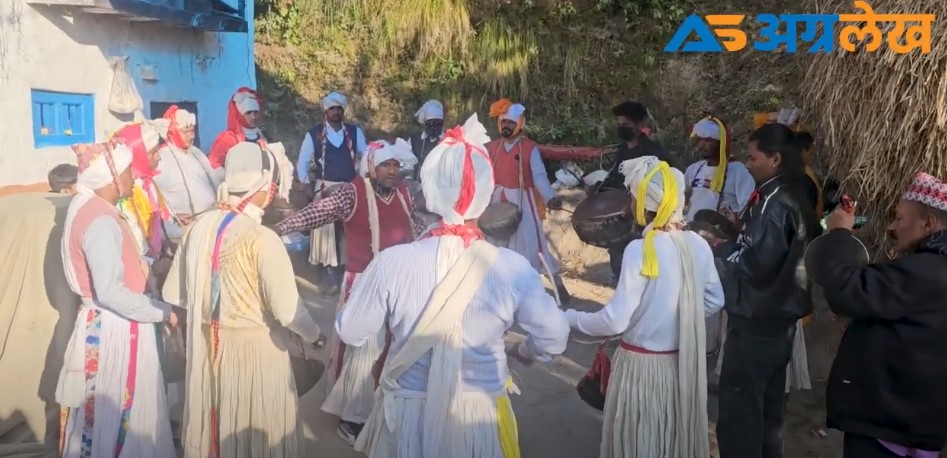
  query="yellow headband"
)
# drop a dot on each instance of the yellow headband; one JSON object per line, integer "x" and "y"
{"x": 666, "y": 208}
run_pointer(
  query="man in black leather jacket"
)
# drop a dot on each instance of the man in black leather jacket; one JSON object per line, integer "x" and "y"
{"x": 766, "y": 292}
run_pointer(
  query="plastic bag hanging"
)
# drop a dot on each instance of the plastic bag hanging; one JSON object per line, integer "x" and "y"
{"x": 124, "y": 97}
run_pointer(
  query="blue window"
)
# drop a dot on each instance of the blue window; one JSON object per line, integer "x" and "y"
{"x": 62, "y": 119}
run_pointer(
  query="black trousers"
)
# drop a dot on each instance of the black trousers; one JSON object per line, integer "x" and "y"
{"x": 865, "y": 447}
{"x": 752, "y": 387}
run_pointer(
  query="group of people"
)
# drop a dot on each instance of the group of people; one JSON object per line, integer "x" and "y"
{"x": 160, "y": 238}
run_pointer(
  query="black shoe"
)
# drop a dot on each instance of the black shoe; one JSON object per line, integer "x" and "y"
{"x": 349, "y": 431}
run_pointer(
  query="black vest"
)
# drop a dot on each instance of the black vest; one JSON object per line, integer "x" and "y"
{"x": 338, "y": 159}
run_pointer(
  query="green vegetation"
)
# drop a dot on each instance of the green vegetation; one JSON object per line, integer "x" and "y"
{"x": 568, "y": 61}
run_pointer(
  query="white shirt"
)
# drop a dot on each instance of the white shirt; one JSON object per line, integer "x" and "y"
{"x": 336, "y": 138}
{"x": 201, "y": 180}
{"x": 396, "y": 287}
{"x": 645, "y": 310}
{"x": 737, "y": 188}
{"x": 540, "y": 176}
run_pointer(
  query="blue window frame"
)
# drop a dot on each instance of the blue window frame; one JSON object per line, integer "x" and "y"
{"x": 62, "y": 119}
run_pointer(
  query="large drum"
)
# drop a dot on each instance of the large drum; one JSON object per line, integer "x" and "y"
{"x": 606, "y": 219}
{"x": 500, "y": 220}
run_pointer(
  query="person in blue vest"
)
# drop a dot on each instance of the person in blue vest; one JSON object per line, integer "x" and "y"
{"x": 329, "y": 155}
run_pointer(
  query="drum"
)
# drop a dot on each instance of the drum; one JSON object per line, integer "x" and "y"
{"x": 843, "y": 244}
{"x": 606, "y": 219}
{"x": 500, "y": 220}
{"x": 714, "y": 227}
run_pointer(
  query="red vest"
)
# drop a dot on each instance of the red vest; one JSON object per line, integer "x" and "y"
{"x": 135, "y": 279}
{"x": 393, "y": 222}
{"x": 506, "y": 165}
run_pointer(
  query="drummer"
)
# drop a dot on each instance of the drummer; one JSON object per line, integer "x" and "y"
{"x": 329, "y": 155}
{"x": 521, "y": 179}
{"x": 709, "y": 186}
{"x": 633, "y": 120}
{"x": 395, "y": 223}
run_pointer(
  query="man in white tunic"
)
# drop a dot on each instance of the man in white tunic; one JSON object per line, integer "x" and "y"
{"x": 111, "y": 387}
{"x": 522, "y": 180}
{"x": 235, "y": 277}
{"x": 329, "y": 155}
{"x": 656, "y": 401}
{"x": 717, "y": 182}
{"x": 186, "y": 179}
{"x": 443, "y": 389}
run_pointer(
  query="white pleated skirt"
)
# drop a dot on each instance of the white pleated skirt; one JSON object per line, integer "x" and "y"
{"x": 479, "y": 438}
{"x": 641, "y": 405}
{"x": 351, "y": 385}
{"x": 327, "y": 246}
{"x": 149, "y": 429}
{"x": 530, "y": 237}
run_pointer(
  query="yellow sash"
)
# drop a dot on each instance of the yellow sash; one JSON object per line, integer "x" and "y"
{"x": 506, "y": 425}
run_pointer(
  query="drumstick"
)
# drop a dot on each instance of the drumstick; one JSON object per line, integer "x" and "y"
{"x": 555, "y": 289}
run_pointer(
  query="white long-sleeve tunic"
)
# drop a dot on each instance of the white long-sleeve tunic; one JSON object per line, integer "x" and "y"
{"x": 397, "y": 285}
{"x": 645, "y": 310}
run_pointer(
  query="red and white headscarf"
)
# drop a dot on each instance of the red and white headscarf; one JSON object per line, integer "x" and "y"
{"x": 928, "y": 190}
{"x": 178, "y": 119}
{"x": 457, "y": 176}
{"x": 141, "y": 137}
{"x": 380, "y": 151}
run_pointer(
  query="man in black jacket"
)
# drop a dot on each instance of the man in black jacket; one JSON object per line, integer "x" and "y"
{"x": 630, "y": 117}
{"x": 766, "y": 291}
{"x": 888, "y": 385}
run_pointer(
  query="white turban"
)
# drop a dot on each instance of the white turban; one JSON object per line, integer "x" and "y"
{"x": 152, "y": 131}
{"x": 94, "y": 170}
{"x": 248, "y": 170}
{"x": 381, "y": 151}
{"x": 635, "y": 171}
{"x": 432, "y": 109}
{"x": 706, "y": 128}
{"x": 334, "y": 99}
{"x": 514, "y": 113}
{"x": 443, "y": 171}
{"x": 246, "y": 102}
{"x": 184, "y": 119}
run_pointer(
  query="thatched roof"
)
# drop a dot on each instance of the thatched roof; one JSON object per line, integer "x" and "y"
{"x": 883, "y": 116}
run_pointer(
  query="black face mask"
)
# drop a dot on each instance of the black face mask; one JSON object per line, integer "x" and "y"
{"x": 506, "y": 132}
{"x": 627, "y": 133}
{"x": 433, "y": 129}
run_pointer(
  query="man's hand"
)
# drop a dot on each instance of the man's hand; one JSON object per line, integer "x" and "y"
{"x": 174, "y": 318}
{"x": 840, "y": 219}
{"x": 185, "y": 218}
{"x": 517, "y": 352}
{"x": 554, "y": 204}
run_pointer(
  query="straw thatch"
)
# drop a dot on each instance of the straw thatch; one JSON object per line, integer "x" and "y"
{"x": 882, "y": 115}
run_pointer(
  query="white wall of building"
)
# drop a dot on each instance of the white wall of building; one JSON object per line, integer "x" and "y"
{"x": 57, "y": 49}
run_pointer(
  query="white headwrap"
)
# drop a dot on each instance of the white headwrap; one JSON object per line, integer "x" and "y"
{"x": 97, "y": 174}
{"x": 246, "y": 172}
{"x": 184, "y": 119}
{"x": 635, "y": 171}
{"x": 432, "y": 109}
{"x": 334, "y": 99}
{"x": 381, "y": 151}
{"x": 706, "y": 128}
{"x": 443, "y": 171}
{"x": 514, "y": 113}
{"x": 246, "y": 102}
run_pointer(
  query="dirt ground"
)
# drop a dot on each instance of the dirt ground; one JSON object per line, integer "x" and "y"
{"x": 553, "y": 421}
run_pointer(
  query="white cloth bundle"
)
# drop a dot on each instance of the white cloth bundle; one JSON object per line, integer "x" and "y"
{"x": 442, "y": 174}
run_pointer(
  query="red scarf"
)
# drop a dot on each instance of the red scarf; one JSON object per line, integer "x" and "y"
{"x": 467, "y": 231}
{"x": 131, "y": 137}
{"x": 174, "y": 135}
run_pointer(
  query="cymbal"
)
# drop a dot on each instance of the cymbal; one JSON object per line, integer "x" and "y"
{"x": 843, "y": 244}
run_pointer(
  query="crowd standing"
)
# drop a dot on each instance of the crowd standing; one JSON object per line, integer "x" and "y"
{"x": 162, "y": 240}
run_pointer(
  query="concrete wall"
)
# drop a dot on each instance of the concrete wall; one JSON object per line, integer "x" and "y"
{"x": 57, "y": 49}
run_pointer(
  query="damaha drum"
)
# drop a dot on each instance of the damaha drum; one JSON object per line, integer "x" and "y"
{"x": 500, "y": 220}
{"x": 606, "y": 219}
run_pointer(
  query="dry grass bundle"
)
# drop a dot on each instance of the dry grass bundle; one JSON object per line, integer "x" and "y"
{"x": 501, "y": 56}
{"x": 882, "y": 115}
